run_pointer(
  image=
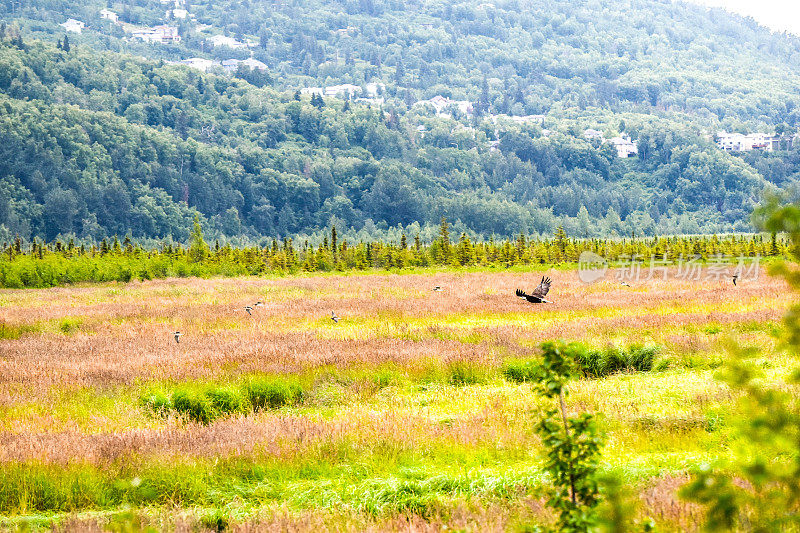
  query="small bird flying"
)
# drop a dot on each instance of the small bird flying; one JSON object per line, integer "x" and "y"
{"x": 334, "y": 317}
{"x": 538, "y": 294}
{"x": 624, "y": 283}
{"x": 258, "y": 304}
{"x": 249, "y": 310}
{"x": 437, "y": 288}
{"x": 178, "y": 335}
{"x": 735, "y": 278}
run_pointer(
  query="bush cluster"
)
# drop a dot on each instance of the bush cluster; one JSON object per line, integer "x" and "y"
{"x": 207, "y": 403}
{"x": 592, "y": 362}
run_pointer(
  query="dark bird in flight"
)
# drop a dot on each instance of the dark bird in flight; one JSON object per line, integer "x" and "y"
{"x": 538, "y": 294}
{"x": 624, "y": 283}
{"x": 735, "y": 278}
{"x": 178, "y": 336}
{"x": 437, "y": 288}
{"x": 249, "y": 310}
{"x": 334, "y": 317}
{"x": 258, "y": 304}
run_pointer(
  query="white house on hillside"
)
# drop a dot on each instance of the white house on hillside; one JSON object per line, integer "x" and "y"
{"x": 107, "y": 14}
{"x": 524, "y": 119}
{"x": 230, "y": 65}
{"x": 441, "y": 105}
{"x": 373, "y": 90}
{"x": 178, "y": 13}
{"x": 198, "y": 63}
{"x": 344, "y": 90}
{"x": 625, "y": 146}
{"x": 158, "y": 34}
{"x": 73, "y": 25}
{"x": 591, "y": 134}
{"x": 223, "y": 40}
{"x": 737, "y": 142}
{"x": 254, "y": 64}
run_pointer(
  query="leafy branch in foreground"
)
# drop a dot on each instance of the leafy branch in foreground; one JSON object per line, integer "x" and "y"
{"x": 759, "y": 488}
{"x": 572, "y": 444}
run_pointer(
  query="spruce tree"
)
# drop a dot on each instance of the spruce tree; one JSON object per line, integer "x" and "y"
{"x": 198, "y": 249}
{"x": 444, "y": 241}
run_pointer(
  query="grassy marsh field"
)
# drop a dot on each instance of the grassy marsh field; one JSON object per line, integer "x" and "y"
{"x": 401, "y": 416}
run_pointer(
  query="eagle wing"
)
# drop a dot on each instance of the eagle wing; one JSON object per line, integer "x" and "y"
{"x": 542, "y": 289}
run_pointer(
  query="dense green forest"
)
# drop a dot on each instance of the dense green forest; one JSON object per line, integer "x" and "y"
{"x": 512, "y": 56}
{"x": 101, "y": 141}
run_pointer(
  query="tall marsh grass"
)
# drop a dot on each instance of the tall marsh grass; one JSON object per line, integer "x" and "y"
{"x": 205, "y": 403}
{"x": 593, "y": 362}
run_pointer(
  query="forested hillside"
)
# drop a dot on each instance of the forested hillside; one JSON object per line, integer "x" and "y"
{"x": 98, "y": 141}
{"x": 512, "y": 56}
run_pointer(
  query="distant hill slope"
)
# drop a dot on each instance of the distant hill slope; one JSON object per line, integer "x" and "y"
{"x": 102, "y": 142}
{"x": 512, "y": 56}
{"x": 99, "y": 143}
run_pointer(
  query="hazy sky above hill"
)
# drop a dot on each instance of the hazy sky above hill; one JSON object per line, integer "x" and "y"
{"x": 778, "y": 15}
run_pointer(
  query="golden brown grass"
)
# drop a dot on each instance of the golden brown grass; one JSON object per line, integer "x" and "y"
{"x": 71, "y": 397}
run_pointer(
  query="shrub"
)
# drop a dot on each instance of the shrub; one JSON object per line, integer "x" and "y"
{"x": 599, "y": 363}
{"x": 217, "y": 520}
{"x": 572, "y": 444}
{"x": 641, "y": 358}
{"x": 595, "y": 363}
{"x": 70, "y": 325}
{"x": 157, "y": 402}
{"x": 521, "y": 370}
{"x": 273, "y": 393}
{"x": 226, "y": 400}
{"x": 465, "y": 373}
{"x": 194, "y": 405}
{"x": 15, "y": 331}
{"x": 384, "y": 377}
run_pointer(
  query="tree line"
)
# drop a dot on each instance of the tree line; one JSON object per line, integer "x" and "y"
{"x": 42, "y": 264}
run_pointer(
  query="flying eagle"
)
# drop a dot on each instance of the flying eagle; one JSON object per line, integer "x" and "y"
{"x": 537, "y": 296}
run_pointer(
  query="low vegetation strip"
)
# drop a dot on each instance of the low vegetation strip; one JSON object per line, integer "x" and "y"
{"x": 594, "y": 363}
{"x": 206, "y": 403}
{"x": 203, "y": 403}
{"x": 36, "y": 488}
{"x": 48, "y": 265}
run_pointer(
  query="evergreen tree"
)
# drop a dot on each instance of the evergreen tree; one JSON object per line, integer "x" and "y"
{"x": 561, "y": 239}
{"x": 444, "y": 241}
{"x": 198, "y": 249}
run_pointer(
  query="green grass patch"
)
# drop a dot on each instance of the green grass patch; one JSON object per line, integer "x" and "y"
{"x": 15, "y": 331}
{"x": 204, "y": 403}
{"x": 69, "y": 325}
{"x": 273, "y": 392}
{"x": 466, "y": 373}
{"x": 598, "y": 363}
{"x": 593, "y": 362}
